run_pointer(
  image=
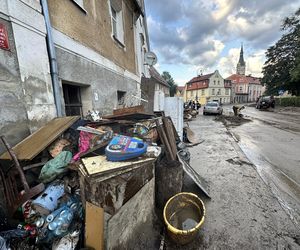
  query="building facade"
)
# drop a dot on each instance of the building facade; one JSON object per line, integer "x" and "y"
{"x": 210, "y": 87}
{"x": 97, "y": 59}
{"x": 244, "y": 88}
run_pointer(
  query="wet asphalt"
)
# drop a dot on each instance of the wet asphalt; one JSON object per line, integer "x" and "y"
{"x": 272, "y": 143}
{"x": 254, "y": 202}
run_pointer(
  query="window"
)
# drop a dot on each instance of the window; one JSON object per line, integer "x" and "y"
{"x": 121, "y": 97}
{"x": 202, "y": 92}
{"x": 117, "y": 21}
{"x": 72, "y": 97}
{"x": 214, "y": 82}
{"x": 226, "y": 91}
{"x": 213, "y": 91}
{"x": 218, "y": 82}
{"x": 219, "y": 92}
{"x": 241, "y": 88}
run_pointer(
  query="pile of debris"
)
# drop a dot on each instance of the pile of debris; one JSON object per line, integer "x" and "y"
{"x": 73, "y": 169}
{"x": 232, "y": 121}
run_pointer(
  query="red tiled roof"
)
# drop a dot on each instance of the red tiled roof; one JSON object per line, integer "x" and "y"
{"x": 200, "y": 78}
{"x": 180, "y": 88}
{"x": 241, "y": 79}
{"x": 198, "y": 82}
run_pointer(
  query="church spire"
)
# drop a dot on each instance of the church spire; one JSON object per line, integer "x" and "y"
{"x": 241, "y": 66}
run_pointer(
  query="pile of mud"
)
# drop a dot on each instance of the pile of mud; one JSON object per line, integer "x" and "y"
{"x": 232, "y": 121}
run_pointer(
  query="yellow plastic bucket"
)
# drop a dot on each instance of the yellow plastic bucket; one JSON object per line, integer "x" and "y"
{"x": 183, "y": 215}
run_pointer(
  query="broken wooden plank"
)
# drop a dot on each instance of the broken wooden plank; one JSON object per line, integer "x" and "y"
{"x": 163, "y": 137}
{"x": 129, "y": 110}
{"x": 170, "y": 135}
{"x": 32, "y": 145}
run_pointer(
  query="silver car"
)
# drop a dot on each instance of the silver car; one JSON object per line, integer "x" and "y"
{"x": 212, "y": 108}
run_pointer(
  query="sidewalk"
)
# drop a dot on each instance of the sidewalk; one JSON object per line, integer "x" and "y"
{"x": 242, "y": 214}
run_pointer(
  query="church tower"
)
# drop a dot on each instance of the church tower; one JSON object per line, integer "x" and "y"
{"x": 241, "y": 66}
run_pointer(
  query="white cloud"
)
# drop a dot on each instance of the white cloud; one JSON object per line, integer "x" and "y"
{"x": 255, "y": 63}
{"x": 227, "y": 64}
{"x": 196, "y": 32}
{"x": 181, "y": 81}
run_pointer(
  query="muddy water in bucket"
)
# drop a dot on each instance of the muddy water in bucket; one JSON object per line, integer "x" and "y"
{"x": 186, "y": 218}
{"x": 183, "y": 215}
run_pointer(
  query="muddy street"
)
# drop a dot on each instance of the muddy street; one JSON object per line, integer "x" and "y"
{"x": 271, "y": 142}
{"x": 243, "y": 212}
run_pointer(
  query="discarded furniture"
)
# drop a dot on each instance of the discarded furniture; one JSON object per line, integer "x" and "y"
{"x": 125, "y": 192}
{"x": 14, "y": 196}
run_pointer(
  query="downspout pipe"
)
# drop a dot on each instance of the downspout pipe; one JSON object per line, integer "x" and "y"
{"x": 53, "y": 60}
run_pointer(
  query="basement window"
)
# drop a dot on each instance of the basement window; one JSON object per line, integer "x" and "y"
{"x": 121, "y": 97}
{"x": 72, "y": 97}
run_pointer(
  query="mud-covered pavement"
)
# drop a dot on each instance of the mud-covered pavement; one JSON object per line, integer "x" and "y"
{"x": 272, "y": 142}
{"x": 243, "y": 213}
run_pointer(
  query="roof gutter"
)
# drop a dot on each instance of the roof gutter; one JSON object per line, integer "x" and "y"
{"x": 52, "y": 59}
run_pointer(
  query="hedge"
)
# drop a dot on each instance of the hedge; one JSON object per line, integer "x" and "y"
{"x": 288, "y": 101}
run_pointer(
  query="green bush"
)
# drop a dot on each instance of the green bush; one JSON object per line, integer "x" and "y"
{"x": 288, "y": 101}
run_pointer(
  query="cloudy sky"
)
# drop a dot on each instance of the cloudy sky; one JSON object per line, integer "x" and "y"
{"x": 190, "y": 36}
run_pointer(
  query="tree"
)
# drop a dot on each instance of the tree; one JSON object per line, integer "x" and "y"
{"x": 173, "y": 87}
{"x": 282, "y": 67}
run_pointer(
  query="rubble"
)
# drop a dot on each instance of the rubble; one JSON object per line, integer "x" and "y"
{"x": 84, "y": 169}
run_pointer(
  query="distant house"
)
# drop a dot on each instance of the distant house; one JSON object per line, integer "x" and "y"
{"x": 245, "y": 88}
{"x": 154, "y": 90}
{"x": 180, "y": 91}
{"x": 208, "y": 87}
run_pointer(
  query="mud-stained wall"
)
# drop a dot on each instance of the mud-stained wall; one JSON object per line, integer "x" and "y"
{"x": 93, "y": 28}
{"x": 26, "y": 94}
{"x": 13, "y": 115}
{"x": 95, "y": 80}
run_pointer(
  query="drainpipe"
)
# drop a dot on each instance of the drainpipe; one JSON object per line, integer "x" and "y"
{"x": 52, "y": 59}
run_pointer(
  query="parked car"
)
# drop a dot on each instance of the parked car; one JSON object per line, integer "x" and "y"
{"x": 265, "y": 102}
{"x": 212, "y": 108}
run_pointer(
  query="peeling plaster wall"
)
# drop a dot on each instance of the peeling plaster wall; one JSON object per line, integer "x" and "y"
{"x": 102, "y": 82}
{"x": 26, "y": 94}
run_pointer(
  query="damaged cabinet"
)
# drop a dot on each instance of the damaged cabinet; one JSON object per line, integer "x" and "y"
{"x": 118, "y": 187}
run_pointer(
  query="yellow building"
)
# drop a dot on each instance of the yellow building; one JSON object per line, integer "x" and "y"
{"x": 210, "y": 87}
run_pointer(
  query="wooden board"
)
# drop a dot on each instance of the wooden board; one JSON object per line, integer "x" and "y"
{"x": 98, "y": 165}
{"x": 129, "y": 110}
{"x": 94, "y": 226}
{"x": 130, "y": 116}
{"x": 40, "y": 139}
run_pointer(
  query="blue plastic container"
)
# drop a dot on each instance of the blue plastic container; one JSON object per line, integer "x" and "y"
{"x": 122, "y": 148}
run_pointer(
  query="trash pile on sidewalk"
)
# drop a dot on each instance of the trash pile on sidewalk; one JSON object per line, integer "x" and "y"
{"x": 52, "y": 178}
{"x": 75, "y": 169}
